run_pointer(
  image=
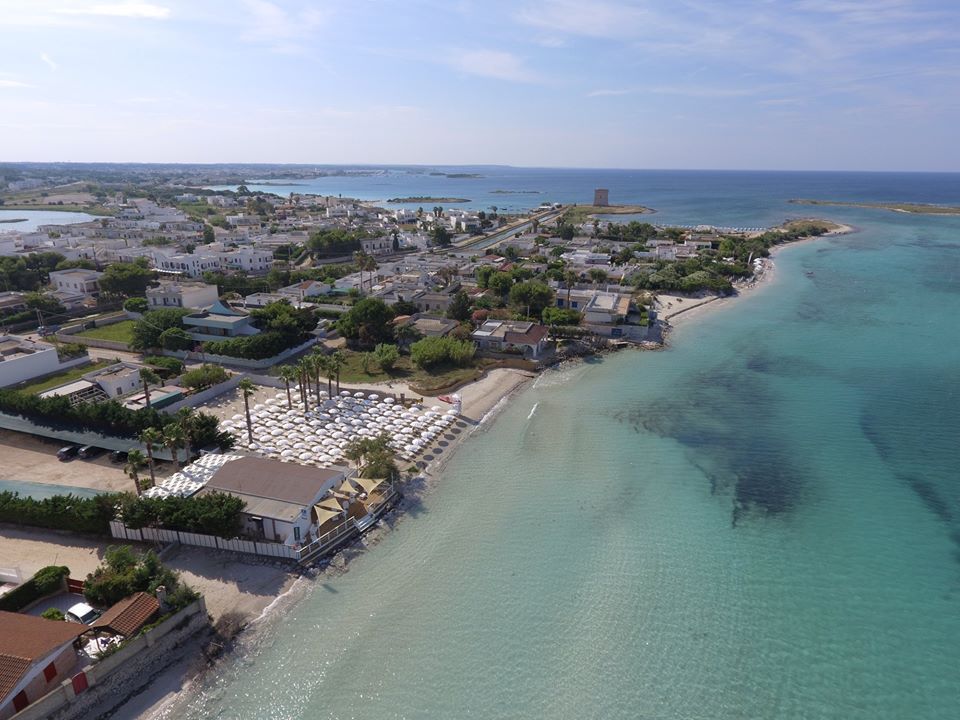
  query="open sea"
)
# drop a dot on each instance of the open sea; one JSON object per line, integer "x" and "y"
{"x": 762, "y": 521}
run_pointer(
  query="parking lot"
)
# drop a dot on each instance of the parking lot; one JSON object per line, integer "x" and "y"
{"x": 28, "y": 458}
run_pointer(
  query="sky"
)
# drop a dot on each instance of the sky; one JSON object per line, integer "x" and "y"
{"x": 686, "y": 84}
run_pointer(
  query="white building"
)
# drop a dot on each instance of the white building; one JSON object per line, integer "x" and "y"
{"x": 22, "y": 360}
{"x": 182, "y": 294}
{"x": 76, "y": 281}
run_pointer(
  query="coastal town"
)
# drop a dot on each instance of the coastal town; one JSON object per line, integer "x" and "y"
{"x": 207, "y": 393}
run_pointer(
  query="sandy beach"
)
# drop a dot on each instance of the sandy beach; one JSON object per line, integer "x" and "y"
{"x": 675, "y": 309}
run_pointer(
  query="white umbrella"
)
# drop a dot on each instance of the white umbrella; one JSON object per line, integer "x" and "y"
{"x": 389, "y": 400}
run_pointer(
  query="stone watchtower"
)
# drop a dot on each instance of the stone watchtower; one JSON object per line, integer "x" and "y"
{"x": 601, "y": 197}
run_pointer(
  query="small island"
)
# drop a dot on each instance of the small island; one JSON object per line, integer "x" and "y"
{"x": 13, "y": 220}
{"x": 515, "y": 192}
{"x": 458, "y": 176}
{"x": 428, "y": 199}
{"x": 580, "y": 213}
{"x": 914, "y": 208}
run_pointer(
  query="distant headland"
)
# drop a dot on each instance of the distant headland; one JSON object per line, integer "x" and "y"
{"x": 914, "y": 208}
{"x": 428, "y": 199}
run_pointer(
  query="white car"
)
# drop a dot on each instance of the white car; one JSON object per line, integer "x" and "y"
{"x": 82, "y": 613}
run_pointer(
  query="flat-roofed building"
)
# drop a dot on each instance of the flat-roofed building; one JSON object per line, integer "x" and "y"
{"x": 22, "y": 360}
{"x": 182, "y": 295}
{"x": 511, "y": 336}
{"x": 76, "y": 281}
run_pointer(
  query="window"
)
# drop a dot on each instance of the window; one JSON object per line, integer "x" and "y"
{"x": 20, "y": 701}
{"x": 50, "y": 672}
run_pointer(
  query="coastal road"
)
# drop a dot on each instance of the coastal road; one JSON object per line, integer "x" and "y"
{"x": 487, "y": 241}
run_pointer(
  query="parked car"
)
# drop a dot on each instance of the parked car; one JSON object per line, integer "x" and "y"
{"x": 81, "y": 613}
{"x": 118, "y": 456}
{"x": 67, "y": 453}
{"x": 90, "y": 451}
{"x": 45, "y": 330}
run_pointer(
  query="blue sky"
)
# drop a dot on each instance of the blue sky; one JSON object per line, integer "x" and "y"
{"x": 801, "y": 84}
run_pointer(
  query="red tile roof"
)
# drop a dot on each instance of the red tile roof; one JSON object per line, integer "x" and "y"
{"x": 24, "y": 639}
{"x": 128, "y": 615}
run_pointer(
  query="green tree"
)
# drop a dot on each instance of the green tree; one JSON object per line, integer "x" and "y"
{"x": 288, "y": 374}
{"x": 174, "y": 438}
{"x": 176, "y": 339}
{"x": 150, "y": 438}
{"x": 500, "y": 283}
{"x": 148, "y": 377}
{"x": 209, "y": 235}
{"x": 367, "y": 323}
{"x": 459, "y": 307}
{"x": 440, "y": 235}
{"x": 386, "y": 356}
{"x": 531, "y": 296}
{"x": 597, "y": 276}
{"x": 337, "y": 361}
{"x": 126, "y": 279}
{"x": 148, "y": 329}
{"x": 135, "y": 463}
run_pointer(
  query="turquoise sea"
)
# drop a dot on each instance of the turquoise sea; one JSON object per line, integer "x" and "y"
{"x": 762, "y": 521}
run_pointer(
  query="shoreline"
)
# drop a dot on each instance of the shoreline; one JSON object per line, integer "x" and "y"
{"x": 483, "y": 400}
{"x": 765, "y": 277}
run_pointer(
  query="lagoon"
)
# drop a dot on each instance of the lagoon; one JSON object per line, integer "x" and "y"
{"x": 32, "y": 219}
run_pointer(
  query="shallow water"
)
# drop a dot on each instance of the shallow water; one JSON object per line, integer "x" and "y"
{"x": 761, "y": 522}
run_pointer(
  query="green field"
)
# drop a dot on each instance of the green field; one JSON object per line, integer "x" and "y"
{"x": 117, "y": 332}
{"x": 51, "y": 381}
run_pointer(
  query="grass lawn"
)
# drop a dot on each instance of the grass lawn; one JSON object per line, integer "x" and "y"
{"x": 427, "y": 382}
{"x": 117, "y": 332}
{"x": 38, "y": 386}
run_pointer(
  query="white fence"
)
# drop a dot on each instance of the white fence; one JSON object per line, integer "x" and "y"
{"x": 122, "y": 532}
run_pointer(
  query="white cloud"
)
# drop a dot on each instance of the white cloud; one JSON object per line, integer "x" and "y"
{"x": 13, "y": 84}
{"x": 48, "y": 61}
{"x": 497, "y": 64}
{"x": 131, "y": 9}
{"x": 285, "y": 30}
{"x": 603, "y": 92}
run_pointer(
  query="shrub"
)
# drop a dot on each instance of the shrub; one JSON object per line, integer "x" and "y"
{"x": 45, "y": 582}
{"x": 124, "y": 573}
{"x": 147, "y": 330}
{"x": 66, "y": 351}
{"x": 136, "y": 305}
{"x": 433, "y": 351}
{"x": 204, "y": 376}
{"x": 561, "y": 316}
{"x": 386, "y": 356}
{"x": 53, "y": 614}
{"x": 167, "y": 367}
{"x": 253, "y": 347}
{"x": 175, "y": 339}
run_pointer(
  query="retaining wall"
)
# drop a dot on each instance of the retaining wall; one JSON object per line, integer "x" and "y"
{"x": 242, "y": 363}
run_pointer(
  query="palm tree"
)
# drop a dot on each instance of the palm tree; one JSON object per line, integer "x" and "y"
{"x": 187, "y": 419}
{"x": 150, "y": 437}
{"x": 303, "y": 367}
{"x": 368, "y": 263}
{"x": 317, "y": 363}
{"x": 569, "y": 277}
{"x": 174, "y": 438}
{"x": 135, "y": 463}
{"x": 148, "y": 376}
{"x": 288, "y": 373}
{"x": 359, "y": 258}
{"x": 325, "y": 367}
{"x": 337, "y": 361}
{"x": 247, "y": 388}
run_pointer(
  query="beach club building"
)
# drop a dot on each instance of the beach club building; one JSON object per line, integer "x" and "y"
{"x": 284, "y": 501}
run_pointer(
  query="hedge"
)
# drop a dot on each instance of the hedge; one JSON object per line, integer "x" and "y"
{"x": 61, "y": 512}
{"x": 210, "y": 514}
{"x": 46, "y": 582}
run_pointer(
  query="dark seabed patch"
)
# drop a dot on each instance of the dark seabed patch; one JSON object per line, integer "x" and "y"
{"x": 726, "y": 419}
{"x": 909, "y": 426}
